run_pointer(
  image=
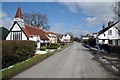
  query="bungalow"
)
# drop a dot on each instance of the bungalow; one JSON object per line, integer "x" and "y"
{"x": 52, "y": 37}
{"x": 110, "y": 35}
{"x": 22, "y": 31}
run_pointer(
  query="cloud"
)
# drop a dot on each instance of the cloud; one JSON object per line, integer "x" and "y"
{"x": 6, "y": 21}
{"x": 96, "y": 12}
{"x": 77, "y": 30}
{"x": 71, "y": 6}
{"x": 91, "y": 21}
{"x": 61, "y": 28}
{"x": 58, "y": 27}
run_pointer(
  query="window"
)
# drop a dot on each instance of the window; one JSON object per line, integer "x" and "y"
{"x": 104, "y": 34}
{"x": 16, "y": 35}
{"x": 109, "y": 32}
{"x": 116, "y": 42}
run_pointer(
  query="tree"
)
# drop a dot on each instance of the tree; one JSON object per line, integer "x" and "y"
{"x": 116, "y": 10}
{"x": 37, "y": 20}
{"x": 3, "y": 33}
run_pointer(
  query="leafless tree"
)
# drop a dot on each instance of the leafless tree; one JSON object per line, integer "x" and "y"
{"x": 37, "y": 20}
{"x": 116, "y": 10}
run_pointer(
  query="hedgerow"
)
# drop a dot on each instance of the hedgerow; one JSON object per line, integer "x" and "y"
{"x": 16, "y": 51}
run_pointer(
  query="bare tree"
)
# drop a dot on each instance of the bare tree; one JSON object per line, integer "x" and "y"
{"x": 116, "y": 10}
{"x": 37, "y": 20}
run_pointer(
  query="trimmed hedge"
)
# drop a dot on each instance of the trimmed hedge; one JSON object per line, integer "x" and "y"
{"x": 16, "y": 51}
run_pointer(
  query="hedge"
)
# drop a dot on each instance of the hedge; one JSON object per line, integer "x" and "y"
{"x": 16, "y": 51}
{"x": 111, "y": 48}
{"x": 53, "y": 46}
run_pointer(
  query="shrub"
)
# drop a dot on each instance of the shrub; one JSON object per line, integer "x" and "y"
{"x": 16, "y": 51}
{"x": 105, "y": 47}
{"x": 43, "y": 48}
{"x": 114, "y": 49}
{"x": 110, "y": 48}
{"x": 92, "y": 42}
{"x": 53, "y": 46}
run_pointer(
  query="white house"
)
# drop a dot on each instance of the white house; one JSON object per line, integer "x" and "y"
{"x": 52, "y": 37}
{"x": 85, "y": 37}
{"x": 110, "y": 35}
{"x": 22, "y": 31}
{"x": 66, "y": 38}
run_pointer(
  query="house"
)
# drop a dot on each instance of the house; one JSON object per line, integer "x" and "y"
{"x": 110, "y": 35}
{"x": 22, "y": 31}
{"x": 66, "y": 38}
{"x": 85, "y": 37}
{"x": 52, "y": 37}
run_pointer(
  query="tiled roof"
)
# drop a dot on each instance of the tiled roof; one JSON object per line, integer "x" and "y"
{"x": 26, "y": 32}
{"x": 18, "y": 13}
{"x": 29, "y": 30}
{"x": 51, "y": 33}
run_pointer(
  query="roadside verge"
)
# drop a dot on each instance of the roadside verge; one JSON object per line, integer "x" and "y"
{"x": 17, "y": 68}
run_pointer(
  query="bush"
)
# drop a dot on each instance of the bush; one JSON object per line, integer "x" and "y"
{"x": 92, "y": 42}
{"x": 16, "y": 51}
{"x": 114, "y": 49}
{"x": 110, "y": 48}
{"x": 53, "y": 46}
{"x": 43, "y": 48}
{"x": 106, "y": 47}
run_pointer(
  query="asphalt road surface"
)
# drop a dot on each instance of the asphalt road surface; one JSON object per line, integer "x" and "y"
{"x": 73, "y": 62}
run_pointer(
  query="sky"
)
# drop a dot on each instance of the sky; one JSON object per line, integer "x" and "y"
{"x": 76, "y": 17}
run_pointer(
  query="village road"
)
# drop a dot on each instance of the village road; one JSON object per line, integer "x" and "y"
{"x": 73, "y": 62}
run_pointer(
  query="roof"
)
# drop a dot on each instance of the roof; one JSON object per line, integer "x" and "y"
{"x": 30, "y": 30}
{"x": 51, "y": 33}
{"x": 18, "y": 13}
{"x": 105, "y": 29}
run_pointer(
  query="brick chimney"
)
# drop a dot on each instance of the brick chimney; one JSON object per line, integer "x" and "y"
{"x": 110, "y": 23}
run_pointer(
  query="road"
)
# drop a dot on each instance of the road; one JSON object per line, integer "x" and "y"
{"x": 73, "y": 62}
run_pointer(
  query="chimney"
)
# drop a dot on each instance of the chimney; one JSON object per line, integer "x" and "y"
{"x": 110, "y": 23}
{"x": 103, "y": 26}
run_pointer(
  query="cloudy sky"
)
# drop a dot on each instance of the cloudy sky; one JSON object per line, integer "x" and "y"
{"x": 76, "y": 17}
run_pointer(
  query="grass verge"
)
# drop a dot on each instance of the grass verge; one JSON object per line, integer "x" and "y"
{"x": 22, "y": 66}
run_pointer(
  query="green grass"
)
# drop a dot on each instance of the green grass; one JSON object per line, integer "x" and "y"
{"x": 19, "y": 67}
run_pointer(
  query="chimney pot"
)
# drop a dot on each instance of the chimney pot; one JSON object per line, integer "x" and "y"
{"x": 110, "y": 23}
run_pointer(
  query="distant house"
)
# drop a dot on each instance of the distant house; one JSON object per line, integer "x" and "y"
{"x": 85, "y": 37}
{"x": 110, "y": 35}
{"x": 66, "y": 38}
{"x": 22, "y": 31}
{"x": 52, "y": 37}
